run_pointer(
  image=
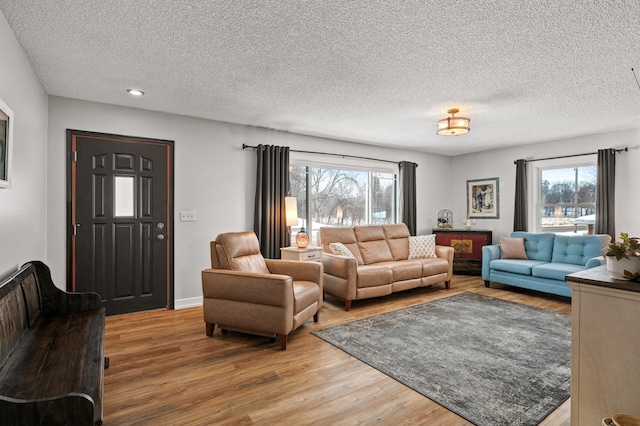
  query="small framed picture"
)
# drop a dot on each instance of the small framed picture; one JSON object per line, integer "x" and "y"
{"x": 482, "y": 198}
{"x": 6, "y": 144}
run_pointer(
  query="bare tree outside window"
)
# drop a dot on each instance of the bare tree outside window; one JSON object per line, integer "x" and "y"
{"x": 342, "y": 197}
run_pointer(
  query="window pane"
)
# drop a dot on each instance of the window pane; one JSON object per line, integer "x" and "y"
{"x": 342, "y": 197}
{"x": 383, "y": 198}
{"x": 567, "y": 196}
{"x": 123, "y": 196}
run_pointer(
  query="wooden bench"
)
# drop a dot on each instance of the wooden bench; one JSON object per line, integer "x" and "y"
{"x": 51, "y": 352}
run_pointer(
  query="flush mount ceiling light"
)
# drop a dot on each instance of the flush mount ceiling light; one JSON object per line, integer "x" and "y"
{"x": 135, "y": 92}
{"x": 453, "y": 126}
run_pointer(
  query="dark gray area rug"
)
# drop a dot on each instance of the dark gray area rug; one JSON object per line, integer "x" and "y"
{"x": 491, "y": 361}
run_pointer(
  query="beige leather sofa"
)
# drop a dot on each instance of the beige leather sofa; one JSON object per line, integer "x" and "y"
{"x": 381, "y": 263}
{"x": 247, "y": 293}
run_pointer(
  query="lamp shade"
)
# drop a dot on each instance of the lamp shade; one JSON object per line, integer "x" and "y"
{"x": 453, "y": 126}
{"x": 291, "y": 211}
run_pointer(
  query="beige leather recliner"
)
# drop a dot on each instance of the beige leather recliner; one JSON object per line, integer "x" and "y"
{"x": 247, "y": 293}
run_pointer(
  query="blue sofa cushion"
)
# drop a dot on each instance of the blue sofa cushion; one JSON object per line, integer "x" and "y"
{"x": 516, "y": 266}
{"x": 555, "y": 271}
{"x": 578, "y": 249}
{"x": 538, "y": 245}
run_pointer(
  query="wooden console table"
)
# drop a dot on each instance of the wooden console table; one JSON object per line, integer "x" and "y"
{"x": 467, "y": 259}
{"x": 605, "y": 343}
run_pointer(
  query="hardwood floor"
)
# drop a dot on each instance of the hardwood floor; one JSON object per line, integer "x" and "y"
{"x": 165, "y": 371}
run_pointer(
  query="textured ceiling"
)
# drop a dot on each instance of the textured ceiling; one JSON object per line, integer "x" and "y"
{"x": 367, "y": 71}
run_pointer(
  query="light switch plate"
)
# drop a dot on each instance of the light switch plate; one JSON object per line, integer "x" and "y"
{"x": 187, "y": 216}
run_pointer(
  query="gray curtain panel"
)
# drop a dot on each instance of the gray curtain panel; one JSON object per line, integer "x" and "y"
{"x": 520, "y": 208}
{"x": 605, "y": 193}
{"x": 408, "y": 194}
{"x": 272, "y": 186}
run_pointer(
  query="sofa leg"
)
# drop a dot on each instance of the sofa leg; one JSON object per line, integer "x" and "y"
{"x": 487, "y": 283}
{"x": 316, "y": 317}
{"x": 210, "y": 328}
{"x": 447, "y": 284}
{"x": 283, "y": 341}
{"x": 347, "y": 305}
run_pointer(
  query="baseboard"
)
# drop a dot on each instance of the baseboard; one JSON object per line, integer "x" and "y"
{"x": 190, "y": 302}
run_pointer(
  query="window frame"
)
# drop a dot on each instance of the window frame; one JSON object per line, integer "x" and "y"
{"x": 535, "y": 183}
{"x": 351, "y": 164}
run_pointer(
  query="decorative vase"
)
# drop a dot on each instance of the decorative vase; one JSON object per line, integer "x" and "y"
{"x": 302, "y": 238}
{"x": 617, "y": 267}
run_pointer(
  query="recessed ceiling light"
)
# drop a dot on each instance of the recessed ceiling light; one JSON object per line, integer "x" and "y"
{"x": 135, "y": 92}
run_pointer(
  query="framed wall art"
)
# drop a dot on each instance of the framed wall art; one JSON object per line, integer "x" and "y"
{"x": 6, "y": 144}
{"x": 482, "y": 198}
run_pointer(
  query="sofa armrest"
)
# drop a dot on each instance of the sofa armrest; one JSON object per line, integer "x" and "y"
{"x": 594, "y": 261}
{"x": 340, "y": 266}
{"x": 445, "y": 252}
{"x": 249, "y": 287}
{"x": 489, "y": 253}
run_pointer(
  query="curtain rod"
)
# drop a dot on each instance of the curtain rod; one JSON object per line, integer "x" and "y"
{"x": 244, "y": 146}
{"x": 569, "y": 156}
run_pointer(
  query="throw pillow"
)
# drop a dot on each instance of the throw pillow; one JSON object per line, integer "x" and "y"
{"x": 422, "y": 246}
{"x": 512, "y": 248}
{"x": 341, "y": 250}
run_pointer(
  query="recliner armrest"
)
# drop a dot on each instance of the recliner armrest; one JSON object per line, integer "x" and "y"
{"x": 299, "y": 271}
{"x": 250, "y": 287}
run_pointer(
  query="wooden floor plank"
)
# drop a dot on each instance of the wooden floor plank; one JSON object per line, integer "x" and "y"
{"x": 165, "y": 371}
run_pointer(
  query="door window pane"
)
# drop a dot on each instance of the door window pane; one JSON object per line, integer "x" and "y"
{"x": 123, "y": 199}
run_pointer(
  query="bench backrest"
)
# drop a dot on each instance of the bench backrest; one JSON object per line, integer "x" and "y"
{"x": 20, "y": 308}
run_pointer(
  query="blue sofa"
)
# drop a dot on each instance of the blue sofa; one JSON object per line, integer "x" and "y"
{"x": 550, "y": 258}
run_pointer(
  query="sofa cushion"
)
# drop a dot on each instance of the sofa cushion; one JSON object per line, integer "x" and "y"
{"x": 578, "y": 249}
{"x": 435, "y": 266}
{"x": 341, "y": 250}
{"x": 397, "y": 236}
{"x": 372, "y": 244}
{"x": 538, "y": 245}
{"x": 344, "y": 235}
{"x": 422, "y": 246}
{"x": 374, "y": 275}
{"x": 404, "y": 269}
{"x": 512, "y": 248}
{"x": 555, "y": 271}
{"x": 516, "y": 266}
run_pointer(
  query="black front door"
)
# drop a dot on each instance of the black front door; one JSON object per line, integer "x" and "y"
{"x": 121, "y": 220}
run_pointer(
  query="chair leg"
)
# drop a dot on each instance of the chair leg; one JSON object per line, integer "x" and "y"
{"x": 210, "y": 328}
{"x": 283, "y": 341}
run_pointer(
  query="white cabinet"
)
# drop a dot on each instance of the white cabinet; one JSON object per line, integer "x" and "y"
{"x": 605, "y": 346}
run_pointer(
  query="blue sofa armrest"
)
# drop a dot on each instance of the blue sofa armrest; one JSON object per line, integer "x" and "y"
{"x": 489, "y": 253}
{"x": 594, "y": 261}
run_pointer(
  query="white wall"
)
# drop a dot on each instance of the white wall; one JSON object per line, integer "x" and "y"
{"x": 213, "y": 177}
{"x": 23, "y": 207}
{"x": 499, "y": 163}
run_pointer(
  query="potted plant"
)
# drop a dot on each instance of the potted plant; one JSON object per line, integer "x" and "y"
{"x": 623, "y": 258}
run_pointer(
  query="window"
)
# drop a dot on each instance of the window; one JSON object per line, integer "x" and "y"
{"x": 567, "y": 198}
{"x": 342, "y": 196}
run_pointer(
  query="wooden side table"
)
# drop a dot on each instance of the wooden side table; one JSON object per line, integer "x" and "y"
{"x": 301, "y": 254}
